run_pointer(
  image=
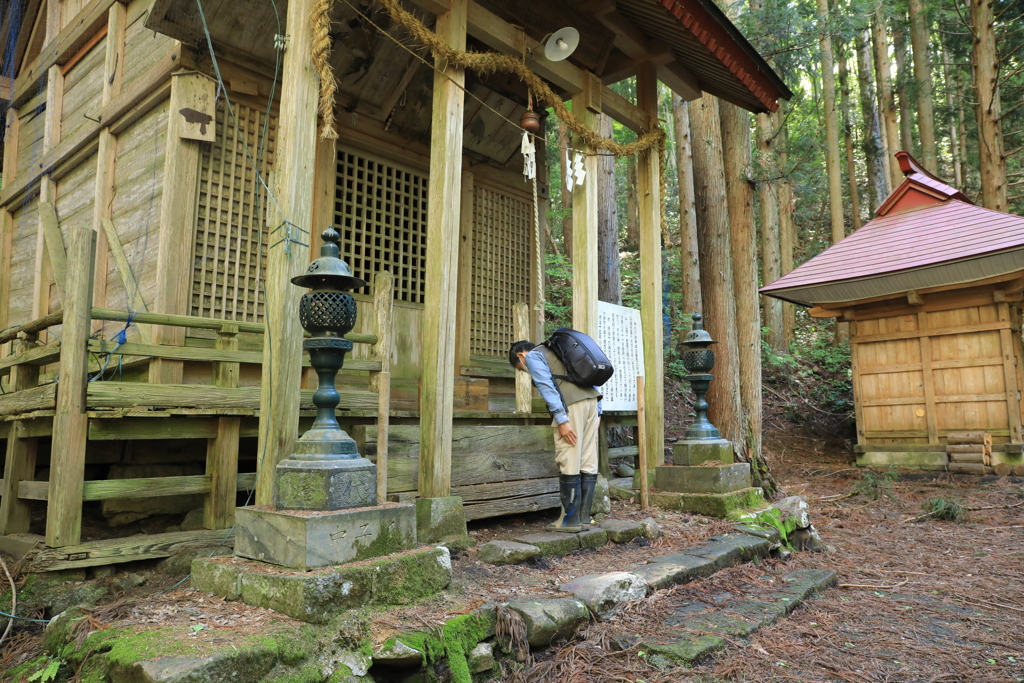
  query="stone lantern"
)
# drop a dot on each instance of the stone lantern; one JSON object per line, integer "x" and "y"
{"x": 325, "y": 470}
{"x": 699, "y": 359}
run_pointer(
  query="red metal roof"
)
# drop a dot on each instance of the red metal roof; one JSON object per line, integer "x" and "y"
{"x": 946, "y": 228}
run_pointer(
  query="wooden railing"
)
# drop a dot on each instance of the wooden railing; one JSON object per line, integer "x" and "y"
{"x": 75, "y": 403}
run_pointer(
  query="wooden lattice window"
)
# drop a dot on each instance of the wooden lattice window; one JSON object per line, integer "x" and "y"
{"x": 231, "y": 235}
{"x": 501, "y": 268}
{"x": 381, "y": 211}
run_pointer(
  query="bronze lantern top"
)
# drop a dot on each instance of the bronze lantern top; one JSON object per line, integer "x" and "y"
{"x": 698, "y": 337}
{"x": 329, "y": 271}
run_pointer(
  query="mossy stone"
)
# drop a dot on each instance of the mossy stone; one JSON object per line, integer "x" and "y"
{"x": 687, "y": 650}
{"x": 316, "y": 596}
{"x": 440, "y": 519}
{"x": 712, "y": 504}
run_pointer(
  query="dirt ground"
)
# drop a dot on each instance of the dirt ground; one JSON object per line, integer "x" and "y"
{"x": 924, "y": 601}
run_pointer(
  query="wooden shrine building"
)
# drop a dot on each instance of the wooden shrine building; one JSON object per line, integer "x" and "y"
{"x": 163, "y": 179}
{"x": 932, "y": 291}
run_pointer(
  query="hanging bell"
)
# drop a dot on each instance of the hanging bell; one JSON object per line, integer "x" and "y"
{"x": 530, "y": 121}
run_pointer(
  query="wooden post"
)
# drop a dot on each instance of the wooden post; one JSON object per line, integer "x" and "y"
{"x": 48, "y": 242}
{"x": 383, "y": 301}
{"x": 70, "y": 423}
{"x": 222, "y": 450}
{"x": 858, "y": 391}
{"x": 524, "y": 388}
{"x": 464, "y": 303}
{"x": 178, "y": 206}
{"x": 641, "y": 414}
{"x": 20, "y": 462}
{"x": 604, "y": 466}
{"x": 288, "y": 251}
{"x": 649, "y": 191}
{"x": 103, "y": 193}
{"x": 584, "y": 219}
{"x": 1010, "y": 376}
{"x": 931, "y": 414}
{"x": 443, "y": 210}
{"x": 10, "y": 169}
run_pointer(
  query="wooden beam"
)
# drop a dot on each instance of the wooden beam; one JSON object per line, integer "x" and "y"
{"x": 178, "y": 206}
{"x": 31, "y": 355}
{"x": 70, "y": 424}
{"x": 635, "y": 44}
{"x": 443, "y": 217}
{"x": 61, "y": 47}
{"x": 54, "y": 245}
{"x": 503, "y": 37}
{"x": 584, "y": 228}
{"x": 129, "y": 105}
{"x": 20, "y": 460}
{"x": 131, "y": 549}
{"x": 288, "y": 250}
{"x": 113, "y": 243}
{"x": 933, "y": 332}
{"x": 651, "y": 322}
{"x": 222, "y": 450}
{"x": 103, "y": 192}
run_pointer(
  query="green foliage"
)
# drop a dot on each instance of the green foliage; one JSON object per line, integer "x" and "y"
{"x": 772, "y": 517}
{"x": 874, "y": 484}
{"x": 948, "y": 509}
{"x": 49, "y": 668}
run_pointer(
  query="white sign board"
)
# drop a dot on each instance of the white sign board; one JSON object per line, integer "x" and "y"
{"x": 620, "y": 337}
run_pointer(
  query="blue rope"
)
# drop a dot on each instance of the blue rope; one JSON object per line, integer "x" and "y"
{"x": 15, "y": 616}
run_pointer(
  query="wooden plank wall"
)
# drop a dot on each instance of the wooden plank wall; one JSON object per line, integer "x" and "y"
{"x": 921, "y": 375}
{"x": 496, "y": 469}
{"x": 79, "y": 94}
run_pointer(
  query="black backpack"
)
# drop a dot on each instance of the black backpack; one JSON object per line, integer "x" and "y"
{"x": 585, "y": 362}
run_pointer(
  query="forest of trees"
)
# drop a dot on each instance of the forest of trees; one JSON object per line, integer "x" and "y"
{"x": 747, "y": 197}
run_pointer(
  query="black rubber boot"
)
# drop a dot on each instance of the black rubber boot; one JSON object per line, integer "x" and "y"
{"x": 569, "y": 491}
{"x": 588, "y": 483}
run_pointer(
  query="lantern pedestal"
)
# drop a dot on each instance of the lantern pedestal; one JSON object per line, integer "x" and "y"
{"x": 690, "y": 452}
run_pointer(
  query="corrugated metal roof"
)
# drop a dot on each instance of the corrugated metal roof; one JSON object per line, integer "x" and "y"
{"x": 709, "y": 46}
{"x": 948, "y": 232}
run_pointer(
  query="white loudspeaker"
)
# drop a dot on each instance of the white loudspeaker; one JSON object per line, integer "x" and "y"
{"x": 561, "y": 44}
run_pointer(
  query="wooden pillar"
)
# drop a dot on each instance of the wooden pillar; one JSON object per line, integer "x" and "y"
{"x": 383, "y": 304}
{"x": 70, "y": 423}
{"x": 443, "y": 210}
{"x": 1010, "y": 375}
{"x": 858, "y": 391}
{"x": 524, "y": 388}
{"x": 20, "y": 462}
{"x": 48, "y": 241}
{"x": 464, "y": 302}
{"x": 931, "y": 414}
{"x": 585, "y": 106}
{"x": 10, "y": 170}
{"x": 649, "y": 192}
{"x": 104, "y": 189}
{"x": 288, "y": 251}
{"x": 222, "y": 450}
{"x": 178, "y": 206}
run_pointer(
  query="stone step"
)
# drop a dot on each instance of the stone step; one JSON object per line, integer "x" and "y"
{"x": 698, "y": 629}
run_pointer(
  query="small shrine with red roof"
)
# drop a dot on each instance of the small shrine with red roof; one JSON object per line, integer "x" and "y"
{"x": 931, "y": 288}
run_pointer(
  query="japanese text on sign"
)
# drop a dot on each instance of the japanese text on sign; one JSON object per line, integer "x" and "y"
{"x": 620, "y": 337}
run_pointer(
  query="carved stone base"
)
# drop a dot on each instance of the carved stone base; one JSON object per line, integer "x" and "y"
{"x": 325, "y": 484}
{"x": 304, "y": 540}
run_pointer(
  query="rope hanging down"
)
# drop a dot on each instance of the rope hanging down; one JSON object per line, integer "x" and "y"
{"x": 484, "y": 63}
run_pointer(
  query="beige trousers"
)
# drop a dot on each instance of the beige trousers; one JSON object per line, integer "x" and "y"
{"x": 583, "y": 456}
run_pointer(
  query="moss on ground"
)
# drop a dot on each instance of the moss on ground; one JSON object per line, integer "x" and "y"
{"x": 457, "y": 638}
